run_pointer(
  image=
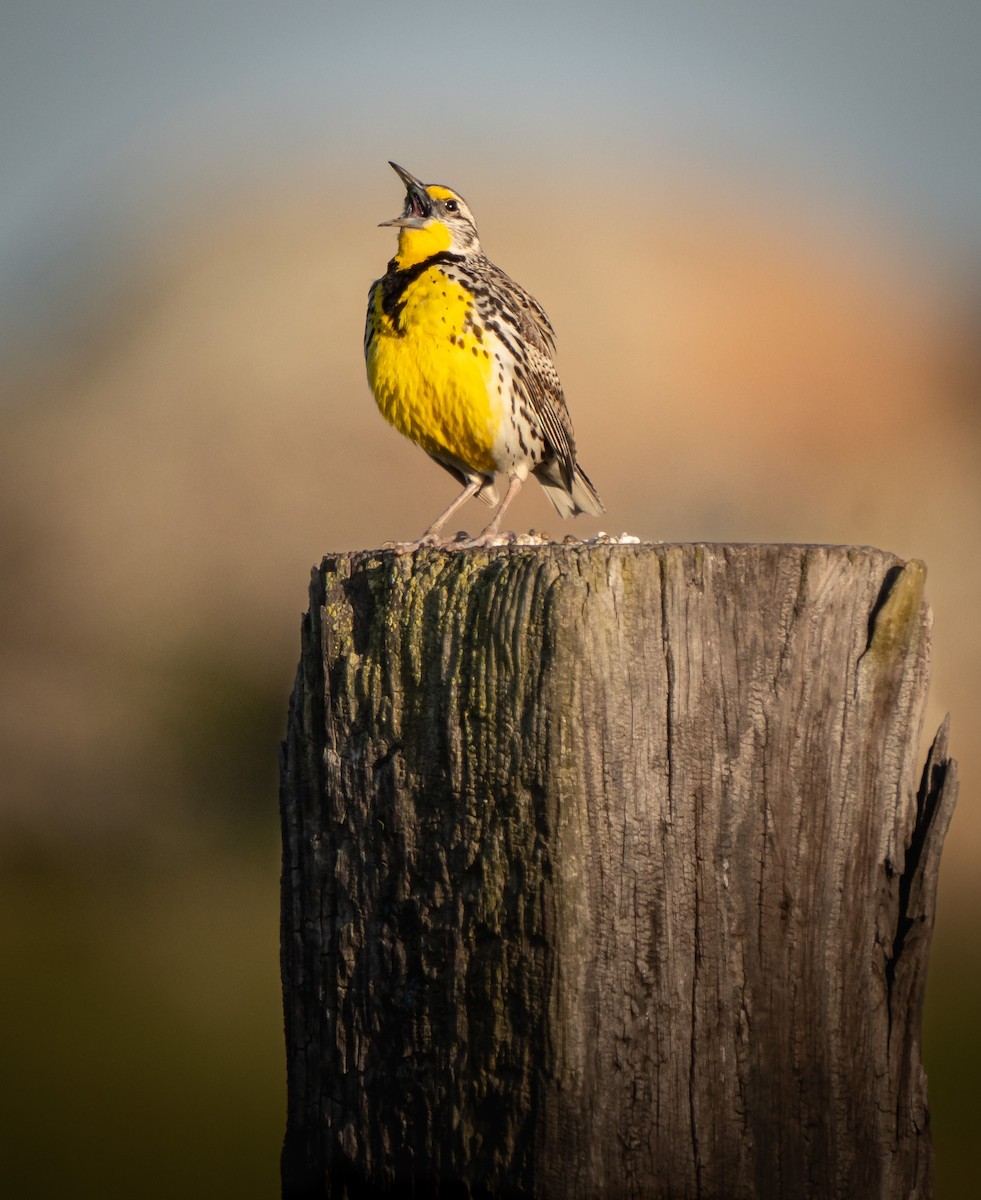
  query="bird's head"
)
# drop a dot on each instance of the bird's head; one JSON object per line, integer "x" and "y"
{"x": 435, "y": 219}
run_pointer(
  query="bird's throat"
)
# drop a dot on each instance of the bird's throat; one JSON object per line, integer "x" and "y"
{"x": 416, "y": 245}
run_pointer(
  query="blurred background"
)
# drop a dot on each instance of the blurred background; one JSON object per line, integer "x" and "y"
{"x": 757, "y": 230}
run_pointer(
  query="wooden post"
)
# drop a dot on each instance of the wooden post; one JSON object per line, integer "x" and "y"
{"x": 606, "y": 874}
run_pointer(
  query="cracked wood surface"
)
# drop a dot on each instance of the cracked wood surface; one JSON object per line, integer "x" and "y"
{"x": 606, "y": 874}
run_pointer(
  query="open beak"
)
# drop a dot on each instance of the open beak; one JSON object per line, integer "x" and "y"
{"x": 418, "y": 206}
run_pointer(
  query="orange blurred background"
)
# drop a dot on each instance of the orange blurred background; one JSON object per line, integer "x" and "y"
{"x": 759, "y": 245}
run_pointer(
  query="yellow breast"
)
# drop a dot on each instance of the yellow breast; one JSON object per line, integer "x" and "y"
{"x": 431, "y": 374}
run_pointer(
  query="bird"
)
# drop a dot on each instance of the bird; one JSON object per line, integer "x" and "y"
{"x": 460, "y": 360}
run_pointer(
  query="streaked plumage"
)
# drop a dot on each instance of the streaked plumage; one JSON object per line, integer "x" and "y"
{"x": 459, "y": 359}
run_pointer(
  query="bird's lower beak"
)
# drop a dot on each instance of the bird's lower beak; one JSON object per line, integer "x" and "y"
{"x": 418, "y": 205}
{"x": 404, "y": 222}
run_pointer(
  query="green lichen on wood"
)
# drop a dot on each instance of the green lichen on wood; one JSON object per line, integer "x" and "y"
{"x": 899, "y": 617}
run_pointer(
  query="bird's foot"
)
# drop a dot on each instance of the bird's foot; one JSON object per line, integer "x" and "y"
{"x": 491, "y": 537}
{"x": 462, "y": 540}
{"x": 409, "y": 547}
{"x": 429, "y": 540}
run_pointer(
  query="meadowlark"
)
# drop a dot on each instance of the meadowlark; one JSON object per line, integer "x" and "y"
{"x": 459, "y": 359}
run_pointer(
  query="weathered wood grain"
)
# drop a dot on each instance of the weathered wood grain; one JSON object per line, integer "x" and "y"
{"x": 606, "y": 874}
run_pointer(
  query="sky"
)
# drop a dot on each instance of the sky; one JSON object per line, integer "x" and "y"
{"x": 116, "y": 115}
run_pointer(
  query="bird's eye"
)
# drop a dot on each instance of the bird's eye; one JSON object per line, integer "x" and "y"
{"x": 452, "y": 206}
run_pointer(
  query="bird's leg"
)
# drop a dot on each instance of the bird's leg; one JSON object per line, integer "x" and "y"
{"x": 488, "y": 535}
{"x": 431, "y": 536}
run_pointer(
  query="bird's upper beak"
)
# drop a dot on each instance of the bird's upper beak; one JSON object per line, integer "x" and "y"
{"x": 418, "y": 205}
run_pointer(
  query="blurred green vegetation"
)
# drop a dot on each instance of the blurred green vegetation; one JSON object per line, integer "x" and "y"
{"x": 952, "y": 1050}
{"x": 142, "y": 1004}
{"x": 143, "y": 1026}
